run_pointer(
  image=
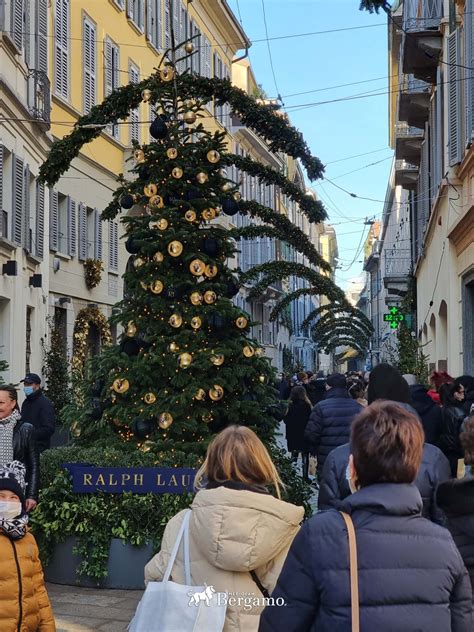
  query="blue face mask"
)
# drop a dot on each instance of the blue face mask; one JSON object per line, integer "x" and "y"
{"x": 28, "y": 390}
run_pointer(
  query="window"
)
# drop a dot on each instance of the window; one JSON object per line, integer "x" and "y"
{"x": 18, "y": 194}
{"x": 17, "y": 24}
{"x": 136, "y": 12}
{"x": 153, "y": 22}
{"x": 94, "y": 234}
{"x": 113, "y": 246}
{"x": 62, "y": 223}
{"x": 61, "y": 48}
{"x": 111, "y": 76}
{"x": 29, "y": 202}
{"x": 90, "y": 64}
{"x": 39, "y": 223}
{"x": 134, "y": 77}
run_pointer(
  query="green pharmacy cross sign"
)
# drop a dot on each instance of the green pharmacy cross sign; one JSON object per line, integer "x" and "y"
{"x": 394, "y": 317}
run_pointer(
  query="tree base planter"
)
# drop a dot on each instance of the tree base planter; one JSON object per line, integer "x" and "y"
{"x": 124, "y": 570}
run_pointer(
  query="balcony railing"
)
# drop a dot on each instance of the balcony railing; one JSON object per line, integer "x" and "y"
{"x": 397, "y": 262}
{"x": 403, "y": 130}
{"x": 408, "y": 141}
{"x": 422, "y": 15}
{"x": 406, "y": 175}
{"x": 414, "y": 101}
{"x": 39, "y": 96}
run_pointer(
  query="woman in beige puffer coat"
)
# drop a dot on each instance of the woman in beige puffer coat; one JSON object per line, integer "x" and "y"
{"x": 236, "y": 527}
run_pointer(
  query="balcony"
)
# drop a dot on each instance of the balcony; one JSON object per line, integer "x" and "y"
{"x": 414, "y": 101}
{"x": 422, "y": 41}
{"x": 39, "y": 97}
{"x": 397, "y": 270}
{"x": 406, "y": 175}
{"x": 408, "y": 143}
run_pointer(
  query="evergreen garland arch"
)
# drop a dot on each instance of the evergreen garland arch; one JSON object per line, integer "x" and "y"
{"x": 85, "y": 318}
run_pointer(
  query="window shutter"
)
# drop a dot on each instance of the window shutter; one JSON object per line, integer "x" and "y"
{"x": 134, "y": 76}
{"x": 71, "y": 227}
{"x": 438, "y": 129}
{"x": 89, "y": 65}
{"x": 1, "y": 189}
{"x": 26, "y": 209}
{"x": 82, "y": 232}
{"x": 207, "y": 58}
{"x": 167, "y": 25}
{"x": 61, "y": 48}
{"x": 42, "y": 36}
{"x": 468, "y": 74}
{"x": 17, "y": 8}
{"x": 39, "y": 241}
{"x": 176, "y": 31}
{"x": 454, "y": 98}
{"x": 27, "y": 29}
{"x": 130, "y": 5}
{"x": 113, "y": 246}
{"x": 17, "y": 201}
{"x": 141, "y": 14}
{"x": 98, "y": 235}
{"x": 150, "y": 21}
{"x": 53, "y": 220}
{"x": 108, "y": 68}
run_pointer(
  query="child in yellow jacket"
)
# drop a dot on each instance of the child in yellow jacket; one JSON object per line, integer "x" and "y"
{"x": 24, "y": 602}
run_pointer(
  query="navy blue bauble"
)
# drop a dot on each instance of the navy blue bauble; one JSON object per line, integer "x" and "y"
{"x": 231, "y": 289}
{"x": 229, "y": 206}
{"x": 144, "y": 173}
{"x": 131, "y": 246}
{"x": 141, "y": 428}
{"x": 127, "y": 201}
{"x": 217, "y": 322}
{"x": 158, "y": 129}
{"x": 210, "y": 246}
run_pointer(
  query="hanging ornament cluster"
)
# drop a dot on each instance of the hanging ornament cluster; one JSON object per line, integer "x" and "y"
{"x": 121, "y": 385}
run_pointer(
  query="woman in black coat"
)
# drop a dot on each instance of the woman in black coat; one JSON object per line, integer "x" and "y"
{"x": 17, "y": 442}
{"x": 411, "y": 575}
{"x": 452, "y": 398}
{"x": 295, "y": 420}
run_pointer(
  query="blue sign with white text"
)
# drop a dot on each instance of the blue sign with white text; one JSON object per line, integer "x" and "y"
{"x": 88, "y": 479}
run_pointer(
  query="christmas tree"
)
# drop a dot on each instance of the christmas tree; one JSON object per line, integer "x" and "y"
{"x": 186, "y": 366}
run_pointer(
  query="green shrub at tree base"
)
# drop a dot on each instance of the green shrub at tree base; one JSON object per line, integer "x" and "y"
{"x": 136, "y": 519}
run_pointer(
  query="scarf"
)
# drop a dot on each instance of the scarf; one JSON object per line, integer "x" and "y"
{"x": 7, "y": 426}
{"x": 15, "y": 529}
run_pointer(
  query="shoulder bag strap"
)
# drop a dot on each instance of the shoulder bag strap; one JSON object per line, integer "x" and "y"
{"x": 261, "y": 587}
{"x": 182, "y": 531}
{"x": 354, "y": 575}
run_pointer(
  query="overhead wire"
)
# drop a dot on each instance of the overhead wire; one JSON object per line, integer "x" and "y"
{"x": 270, "y": 53}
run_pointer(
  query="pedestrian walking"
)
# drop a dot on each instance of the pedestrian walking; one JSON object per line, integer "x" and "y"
{"x": 38, "y": 411}
{"x": 24, "y": 602}
{"x": 296, "y": 421}
{"x": 386, "y": 382}
{"x": 410, "y": 574}
{"x": 357, "y": 391}
{"x": 239, "y": 533}
{"x": 437, "y": 379}
{"x": 17, "y": 442}
{"x": 430, "y": 413}
{"x": 456, "y": 499}
{"x": 330, "y": 420}
{"x": 452, "y": 399}
{"x": 316, "y": 388}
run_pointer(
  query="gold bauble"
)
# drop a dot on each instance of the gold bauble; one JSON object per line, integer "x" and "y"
{"x": 131, "y": 329}
{"x": 227, "y": 186}
{"x": 167, "y": 74}
{"x": 149, "y": 398}
{"x": 156, "y": 200}
{"x": 202, "y": 177}
{"x": 138, "y": 262}
{"x": 213, "y": 156}
{"x": 196, "y": 322}
{"x": 173, "y": 347}
{"x": 217, "y": 359}
{"x": 197, "y": 267}
{"x": 189, "y": 47}
{"x": 175, "y": 248}
{"x": 144, "y": 285}
{"x": 248, "y": 351}
{"x": 196, "y": 298}
{"x": 146, "y": 95}
{"x": 150, "y": 190}
{"x": 210, "y": 297}
{"x": 188, "y": 104}
{"x": 190, "y": 216}
{"x": 189, "y": 117}
{"x": 207, "y": 418}
{"x": 139, "y": 156}
{"x": 185, "y": 360}
{"x": 262, "y": 379}
{"x": 156, "y": 287}
{"x": 216, "y": 393}
{"x": 177, "y": 173}
{"x": 208, "y": 214}
{"x": 165, "y": 420}
{"x": 158, "y": 257}
{"x": 120, "y": 385}
{"x": 200, "y": 394}
{"x": 237, "y": 196}
{"x": 172, "y": 153}
{"x": 175, "y": 320}
{"x": 211, "y": 271}
{"x": 160, "y": 224}
{"x": 241, "y": 322}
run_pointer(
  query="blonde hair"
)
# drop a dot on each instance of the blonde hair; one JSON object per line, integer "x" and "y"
{"x": 237, "y": 454}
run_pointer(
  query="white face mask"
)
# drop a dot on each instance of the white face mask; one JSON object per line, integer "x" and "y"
{"x": 9, "y": 510}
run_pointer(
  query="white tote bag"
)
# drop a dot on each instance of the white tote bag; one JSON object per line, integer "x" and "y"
{"x": 170, "y": 607}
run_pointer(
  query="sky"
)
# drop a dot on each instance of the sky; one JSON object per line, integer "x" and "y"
{"x": 334, "y": 131}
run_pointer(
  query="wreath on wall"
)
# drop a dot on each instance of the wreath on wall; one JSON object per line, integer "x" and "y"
{"x": 93, "y": 269}
{"x": 86, "y": 317}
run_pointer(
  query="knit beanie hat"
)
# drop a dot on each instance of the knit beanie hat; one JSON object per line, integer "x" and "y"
{"x": 13, "y": 478}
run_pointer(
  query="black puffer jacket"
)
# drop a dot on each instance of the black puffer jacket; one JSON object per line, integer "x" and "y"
{"x": 411, "y": 575}
{"x": 329, "y": 424}
{"x": 434, "y": 469}
{"x": 430, "y": 414}
{"x": 453, "y": 416}
{"x": 38, "y": 411}
{"x": 26, "y": 451}
{"x": 456, "y": 499}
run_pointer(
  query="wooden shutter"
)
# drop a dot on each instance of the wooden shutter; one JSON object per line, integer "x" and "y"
{"x": 469, "y": 70}
{"x": 17, "y": 200}
{"x": 438, "y": 127}
{"x": 207, "y": 58}
{"x": 27, "y": 30}
{"x": 82, "y": 232}
{"x": 17, "y": 8}
{"x": 71, "y": 227}
{"x": 130, "y": 7}
{"x": 176, "y": 30}
{"x": 108, "y": 68}
{"x": 167, "y": 25}
{"x": 26, "y": 209}
{"x": 455, "y": 98}
{"x": 61, "y": 48}
{"x": 53, "y": 220}
{"x": 113, "y": 246}
{"x": 42, "y": 36}
{"x": 140, "y": 19}
{"x": 89, "y": 44}
{"x": 134, "y": 76}
{"x": 39, "y": 235}
{"x": 1, "y": 189}
{"x": 98, "y": 235}
{"x": 151, "y": 19}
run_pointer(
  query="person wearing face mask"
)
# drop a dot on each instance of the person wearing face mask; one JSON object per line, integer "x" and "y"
{"x": 17, "y": 442}
{"x": 24, "y": 602}
{"x": 38, "y": 411}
